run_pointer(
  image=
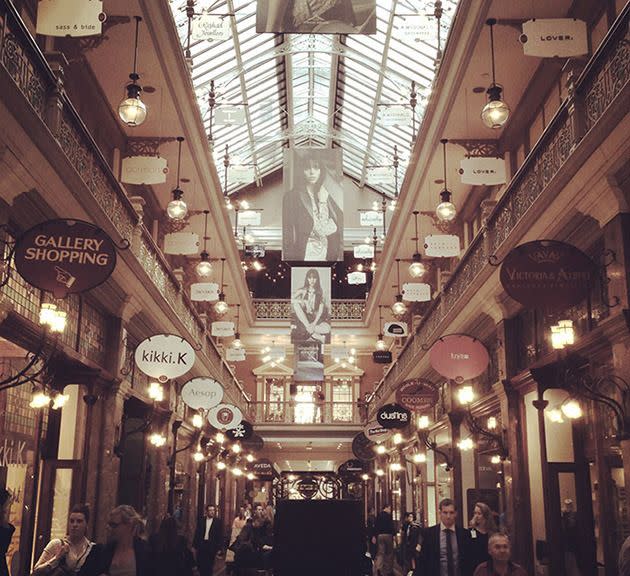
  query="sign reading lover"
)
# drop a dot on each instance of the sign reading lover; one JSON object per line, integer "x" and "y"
{"x": 164, "y": 356}
{"x": 393, "y": 416}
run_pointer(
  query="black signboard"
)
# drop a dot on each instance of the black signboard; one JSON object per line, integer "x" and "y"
{"x": 308, "y": 488}
{"x": 253, "y": 444}
{"x": 363, "y": 448}
{"x": 241, "y": 432}
{"x": 263, "y": 469}
{"x": 382, "y": 356}
{"x": 351, "y": 468}
{"x": 393, "y": 416}
{"x": 65, "y": 256}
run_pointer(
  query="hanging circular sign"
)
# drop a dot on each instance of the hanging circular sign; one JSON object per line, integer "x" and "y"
{"x": 225, "y": 416}
{"x": 253, "y": 444}
{"x": 459, "y": 357}
{"x": 351, "y": 468}
{"x": 65, "y": 256}
{"x": 547, "y": 274}
{"x": 164, "y": 356}
{"x": 417, "y": 395}
{"x": 308, "y": 488}
{"x": 375, "y": 432}
{"x": 202, "y": 393}
{"x": 393, "y": 416}
{"x": 242, "y": 431}
{"x": 363, "y": 448}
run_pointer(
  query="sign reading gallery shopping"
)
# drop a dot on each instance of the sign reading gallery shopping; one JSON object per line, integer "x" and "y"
{"x": 164, "y": 356}
{"x": 393, "y": 416}
{"x": 65, "y": 256}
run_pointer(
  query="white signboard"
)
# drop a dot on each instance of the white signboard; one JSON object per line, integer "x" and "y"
{"x": 396, "y": 115}
{"x": 364, "y": 251}
{"x": 442, "y": 245}
{"x": 380, "y": 174}
{"x": 483, "y": 170}
{"x": 229, "y": 116}
{"x": 225, "y": 416}
{"x": 371, "y": 218}
{"x": 211, "y": 27}
{"x": 554, "y": 37}
{"x": 204, "y": 292}
{"x": 222, "y": 329}
{"x": 250, "y": 217}
{"x": 69, "y": 17}
{"x": 164, "y": 356}
{"x": 202, "y": 393}
{"x": 357, "y": 278}
{"x": 235, "y": 354}
{"x": 416, "y": 292}
{"x": 417, "y": 27}
{"x": 143, "y": 170}
{"x": 181, "y": 243}
{"x": 396, "y": 329}
{"x": 240, "y": 173}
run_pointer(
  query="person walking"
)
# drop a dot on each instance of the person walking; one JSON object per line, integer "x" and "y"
{"x": 208, "y": 540}
{"x": 254, "y": 544}
{"x": 410, "y": 533}
{"x": 444, "y": 546}
{"x": 499, "y": 564}
{"x": 384, "y": 529}
{"x": 237, "y": 525}
{"x": 482, "y": 526}
{"x": 6, "y": 529}
{"x": 73, "y": 554}
{"x": 169, "y": 551}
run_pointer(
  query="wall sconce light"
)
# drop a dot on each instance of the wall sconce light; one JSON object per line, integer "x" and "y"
{"x": 52, "y": 318}
{"x": 199, "y": 456}
{"x": 379, "y": 472}
{"x": 39, "y": 399}
{"x": 496, "y": 459}
{"x": 155, "y": 391}
{"x": 132, "y": 110}
{"x": 419, "y": 458}
{"x": 221, "y": 465}
{"x": 395, "y": 467}
{"x": 177, "y": 209}
{"x": 445, "y": 210}
{"x": 59, "y": 400}
{"x": 492, "y": 423}
{"x": 250, "y": 458}
{"x": 496, "y": 112}
{"x": 562, "y": 334}
{"x": 465, "y": 395}
{"x": 397, "y": 439}
{"x": 157, "y": 439}
{"x": 250, "y": 476}
{"x": 197, "y": 420}
{"x": 380, "y": 449}
{"x": 466, "y": 444}
{"x": 365, "y": 477}
{"x": 571, "y": 409}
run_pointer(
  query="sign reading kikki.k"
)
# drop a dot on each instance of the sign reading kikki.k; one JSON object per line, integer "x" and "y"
{"x": 164, "y": 356}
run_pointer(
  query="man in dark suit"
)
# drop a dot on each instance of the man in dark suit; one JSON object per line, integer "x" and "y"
{"x": 444, "y": 546}
{"x": 208, "y": 540}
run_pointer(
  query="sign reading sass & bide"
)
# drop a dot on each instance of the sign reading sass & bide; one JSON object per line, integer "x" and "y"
{"x": 393, "y": 416}
{"x": 376, "y": 432}
{"x": 164, "y": 356}
{"x": 547, "y": 274}
{"x": 65, "y": 256}
{"x": 202, "y": 393}
{"x": 417, "y": 395}
{"x": 459, "y": 357}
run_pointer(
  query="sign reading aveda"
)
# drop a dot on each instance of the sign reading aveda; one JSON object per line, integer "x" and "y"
{"x": 65, "y": 256}
{"x": 202, "y": 393}
{"x": 164, "y": 356}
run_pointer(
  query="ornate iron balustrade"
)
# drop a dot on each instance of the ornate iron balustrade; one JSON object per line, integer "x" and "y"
{"x": 337, "y": 413}
{"x": 281, "y": 309}
{"x": 591, "y": 96}
{"x": 22, "y": 62}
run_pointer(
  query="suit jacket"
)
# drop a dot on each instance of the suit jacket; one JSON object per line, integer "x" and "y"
{"x": 142, "y": 554}
{"x": 429, "y": 559}
{"x": 215, "y": 536}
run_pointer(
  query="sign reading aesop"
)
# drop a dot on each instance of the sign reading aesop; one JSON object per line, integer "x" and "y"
{"x": 65, "y": 256}
{"x": 547, "y": 274}
{"x": 393, "y": 416}
{"x": 417, "y": 395}
{"x": 164, "y": 356}
{"x": 202, "y": 393}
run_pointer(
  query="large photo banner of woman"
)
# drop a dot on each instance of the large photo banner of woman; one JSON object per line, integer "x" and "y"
{"x": 310, "y": 305}
{"x": 316, "y": 16}
{"x": 312, "y": 206}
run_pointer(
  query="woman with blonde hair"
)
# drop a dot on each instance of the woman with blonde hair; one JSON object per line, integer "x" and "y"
{"x": 482, "y": 526}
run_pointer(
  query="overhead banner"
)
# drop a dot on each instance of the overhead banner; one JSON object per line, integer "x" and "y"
{"x": 181, "y": 243}
{"x": 547, "y": 274}
{"x": 143, "y": 170}
{"x": 417, "y": 27}
{"x": 243, "y": 431}
{"x": 554, "y": 37}
{"x": 69, "y": 17}
{"x": 320, "y": 17}
{"x": 211, "y": 27}
{"x": 225, "y": 416}
{"x": 481, "y": 170}
{"x": 442, "y": 245}
{"x": 393, "y": 416}
{"x": 417, "y": 395}
{"x": 204, "y": 292}
{"x": 416, "y": 292}
{"x": 65, "y": 256}
{"x": 371, "y": 218}
{"x": 310, "y": 305}
{"x": 202, "y": 393}
{"x": 222, "y": 329}
{"x": 312, "y": 205}
{"x": 459, "y": 357}
{"x": 164, "y": 356}
{"x": 309, "y": 362}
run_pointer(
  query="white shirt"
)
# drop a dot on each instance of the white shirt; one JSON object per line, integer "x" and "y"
{"x": 208, "y": 526}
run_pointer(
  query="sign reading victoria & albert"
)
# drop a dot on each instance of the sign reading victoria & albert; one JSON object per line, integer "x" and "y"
{"x": 65, "y": 256}
{"x": 547, "y": 274}
{"x": 202, "y": 393}
{"x": 459, "y": 357}
{"x": 164, "y": 356}
{"x": 417, "y": 395}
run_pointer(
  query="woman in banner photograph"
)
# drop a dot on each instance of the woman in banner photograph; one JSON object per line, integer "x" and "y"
{"x": 311, "y": 311}
{"x": 312, "y": 221}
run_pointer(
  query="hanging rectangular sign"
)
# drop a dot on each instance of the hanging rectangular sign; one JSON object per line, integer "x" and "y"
{"x": 357, "y": 278}
{"x": 479, "y": 170}
{"x": 364, "y": 251}
{"x": 204, "y": 292}
{"x": 554, "y": 38}
{"x": 380, "y": 174}
{"x": 229, "y": 116}
{"x": 240, "y": 173}
{"x": 69, "y": 17}
{"x": 396, "y": 115}
{"x": 416, "y": 292}
{"x": 371, "y": 218}
{"x": 382, "y": 357}
{"x": 211, "y": 27}
{"x": 417, "y": 27}
{"x": 250, "y": 217}
{"x": 235, "y": 354}
{"x": 442, "y": 245}
{"x": 143, "y": 170}
{"x": 181, "y": 243}
{"x": 222, "y": 329}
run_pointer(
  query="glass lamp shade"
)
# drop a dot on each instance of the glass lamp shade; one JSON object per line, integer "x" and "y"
{"x": 417, "y": 269}
{"x": 132, "y": 111}
{"x": 221, "y": 306}
{"x": 399, "y": 307}
{"x": 496, "y": 112}
{"x": 203, "y": 268}
{"x": 177, "y": 209}
{"x": 236, "y": 343}
{"x": 380, "y": 343}
{"x": 446, "y": 211}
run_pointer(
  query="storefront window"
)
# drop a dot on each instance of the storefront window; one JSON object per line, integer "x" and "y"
{"x": 274, "y": 400}
{"x": 342, "y": 400}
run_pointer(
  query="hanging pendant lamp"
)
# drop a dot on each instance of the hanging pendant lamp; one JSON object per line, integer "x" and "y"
{"x": 204, "y": 266}
{"x": 417, "y": 269}
{"x": 398, "y": 307}
{"x": 236, "y": 343}
{"x": 221, "y": 306}
{"x": 496, "y": 112}
{"x": 132, "y": 110}
{"x": 380, "y": 342}
{"x": 177, "y": 209}
{"x": 445, "y": 210}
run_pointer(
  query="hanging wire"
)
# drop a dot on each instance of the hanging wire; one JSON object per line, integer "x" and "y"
{"x": 415, "y": 215}
{"x": 135, "y": 51}
{"x": 205, "y": 229}
{"x": 491, "y": 22}
{"x": 222, "y": 273}
{"x": 238, "y": 310}
{"x": 444, "y": 141}
{"x": 398, "y": 274}
{"x": 180, "y": 139}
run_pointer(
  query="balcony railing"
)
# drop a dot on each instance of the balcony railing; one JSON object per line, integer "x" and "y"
{"x": 23, "y": 64}
{"x": 337, "y": 413}
{"x": 592, "y": 96}
{"x": 281, "y": 309}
